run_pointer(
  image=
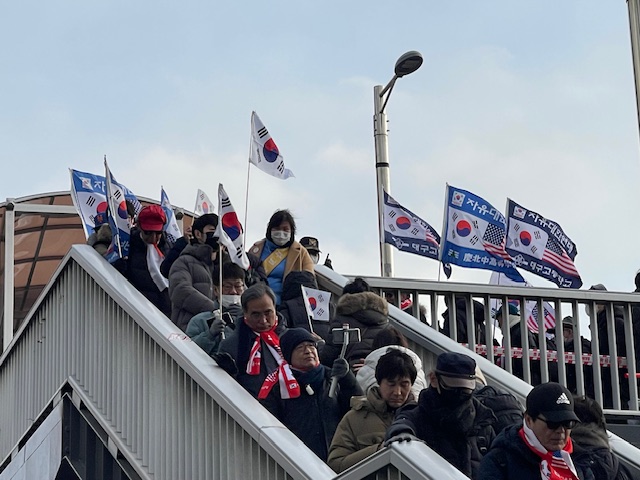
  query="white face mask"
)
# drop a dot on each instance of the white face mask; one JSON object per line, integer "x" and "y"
{"x": 280, "y": 237}
{"x": 315, "y": 257}
{"x": 229, "y": 300}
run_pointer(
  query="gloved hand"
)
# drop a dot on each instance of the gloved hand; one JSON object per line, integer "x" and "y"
{"x": 340, "y": 368}
{"x": 327, "y": 262}
{"x": 217, "y": 325}
{"x": 401, "y": 437}
{"x": 226, "y": 362}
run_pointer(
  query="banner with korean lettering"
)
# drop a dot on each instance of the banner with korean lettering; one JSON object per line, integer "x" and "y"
{"x": 171, "y": 227}
{"x": 88, "y": 192}
{"x": 264, "y": 151}
{"x": 409, "y": 233}
{"x": 540, "y": 246}
{"x": 474, "y": 233}
{"x": 531, "y": 307}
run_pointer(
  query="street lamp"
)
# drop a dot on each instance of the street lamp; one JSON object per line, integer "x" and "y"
{"x": 406, "y": 64}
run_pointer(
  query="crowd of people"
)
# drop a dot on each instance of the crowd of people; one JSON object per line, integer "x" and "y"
{"x": 351, "y": 387}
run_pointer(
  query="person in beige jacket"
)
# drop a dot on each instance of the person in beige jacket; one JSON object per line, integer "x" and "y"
{"x": 279, "y": 253}
{"x": 361, "y": 431}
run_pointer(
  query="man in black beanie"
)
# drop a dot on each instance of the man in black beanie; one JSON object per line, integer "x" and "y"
{"x": 314, "y": 415}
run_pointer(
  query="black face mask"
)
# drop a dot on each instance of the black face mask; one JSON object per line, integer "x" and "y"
{"x": 454, "y": 397}
{"x": 211, "y": 240}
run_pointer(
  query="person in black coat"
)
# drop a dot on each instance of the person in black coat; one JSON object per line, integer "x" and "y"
{"x": 461, "y": 320}
{"x": 602, "y": 320}
{"x": 313, "y": 415}
{"x": 539, "y": 448}
{"x": 592, "y": 453}
{"x": 292, "y": 305}
{"x": 569, "y": 346}
{"x": 448, "y": 417}
{"x": 147, "y": 248}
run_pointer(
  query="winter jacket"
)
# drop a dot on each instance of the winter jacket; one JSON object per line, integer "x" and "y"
{"x": 509, "y": 459}
{"x": 366, "y": 311}
{"x": 172, "y": 255}
{"x": 592, "y": 455}
{"x": 297, "y": 259}
{"x": 535, "y": 366}
{"x": 292, "y": 305}
{"x": 366, "y": 376}
{"x": 191, "y": 284}
{"x": 314, "y": 418}
{"x": 461, "y": 435}
{"x": 603, "y": 344}
{"x": 361, "y": 431}
{"x": 238, "y": 346}
{"x": 100, "y": 240}
{"x": 199, "y": 331}
{"x": 587, "y": 370}
{"x": 136, "y": 270}
{"x": 461, "y": 321}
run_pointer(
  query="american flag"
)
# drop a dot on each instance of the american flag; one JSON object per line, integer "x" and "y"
{"x": 555, "y": 255}
{"x": 549, "y": 317}
{"x": 493, "y": 241}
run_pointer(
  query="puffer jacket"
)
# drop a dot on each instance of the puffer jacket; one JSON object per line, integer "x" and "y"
{"x": 361, "y": 431}
{"x": 592, "y": 455}
{"x": 100, "y": 240}
{"x": 366, "y": 311}
{"x": 191, "y": 284}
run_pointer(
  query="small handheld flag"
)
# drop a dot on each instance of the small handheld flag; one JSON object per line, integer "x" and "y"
{"x": 171, "y": 227}
{"x": 229, "y": 230}
{"x": 203, "y": 204}
{"x": 317, "y": 303}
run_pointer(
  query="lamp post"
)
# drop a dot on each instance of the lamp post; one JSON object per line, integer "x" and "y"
{"x": 406, "y": 64}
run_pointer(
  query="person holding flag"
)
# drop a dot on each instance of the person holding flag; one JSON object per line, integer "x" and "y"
{"x": 279, "y": 253}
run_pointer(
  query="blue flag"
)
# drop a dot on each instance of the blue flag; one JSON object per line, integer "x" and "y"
{"x": 540, "y": 246}
{"x": 409, "y": 233}
{"x": 475, "y": 234}
{"x": 89, "y": 195}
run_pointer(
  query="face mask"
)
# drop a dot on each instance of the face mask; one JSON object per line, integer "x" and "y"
{"x": 211, "y": 241}
{"x": 280, "y": 237}
{"x": 455, "y": 396}
{"x": 315, "y": 257}
{"x": 229, "y": 300}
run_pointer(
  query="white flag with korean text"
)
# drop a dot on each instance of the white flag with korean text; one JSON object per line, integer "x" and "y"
{"x": 264, "y": 151}
{"x": 229, "y": 230}
{"x": 317, "y": 303}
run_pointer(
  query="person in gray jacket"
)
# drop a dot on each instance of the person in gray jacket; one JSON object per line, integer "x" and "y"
{"x": 191, "y": 275}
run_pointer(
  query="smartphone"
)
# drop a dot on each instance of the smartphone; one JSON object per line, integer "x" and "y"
{"x": 338, "y": 335}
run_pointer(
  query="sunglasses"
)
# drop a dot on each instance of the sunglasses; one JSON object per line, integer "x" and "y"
{"x": 566, "y": 424}
{"x": 152, "y": 232}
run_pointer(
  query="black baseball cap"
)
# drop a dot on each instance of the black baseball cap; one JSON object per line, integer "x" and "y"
{"x": 551, "y": 400}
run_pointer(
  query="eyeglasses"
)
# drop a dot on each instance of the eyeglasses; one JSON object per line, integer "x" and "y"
{"x": 566, "y": 424}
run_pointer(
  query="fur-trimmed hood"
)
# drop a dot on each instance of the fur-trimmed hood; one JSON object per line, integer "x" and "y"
{"x": 351, "y": 303}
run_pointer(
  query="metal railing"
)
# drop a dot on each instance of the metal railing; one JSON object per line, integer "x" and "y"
{"x": 165, "y": 406}
{"x": 427, "y": 341}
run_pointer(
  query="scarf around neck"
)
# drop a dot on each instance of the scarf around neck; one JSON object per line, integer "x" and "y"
{"x": 553, "y": 465}
{"x": 282, "y": 375}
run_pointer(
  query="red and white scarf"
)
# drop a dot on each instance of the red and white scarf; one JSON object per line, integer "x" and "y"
{"x": 553, "y": 465}
{"x": 282, "y": 375}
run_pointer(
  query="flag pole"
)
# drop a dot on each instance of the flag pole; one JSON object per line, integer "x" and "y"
{"x": 246, "y": 197}
{"x": 220, "y": 282}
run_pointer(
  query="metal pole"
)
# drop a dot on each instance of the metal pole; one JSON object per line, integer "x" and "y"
{"x": 9, "y": 231}
{"x": 634, "y": 28}
{"x": 380, "y": 136}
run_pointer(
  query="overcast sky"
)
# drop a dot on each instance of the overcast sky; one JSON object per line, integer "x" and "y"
{"x": 529, "y": 100}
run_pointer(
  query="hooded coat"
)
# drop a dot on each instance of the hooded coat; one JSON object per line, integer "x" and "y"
{"x": 191, "y": 284}
{"x": 592, "y": 455}
{"x": 366, "y": 311}
{"x": 361, "y": 431}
